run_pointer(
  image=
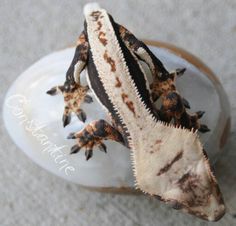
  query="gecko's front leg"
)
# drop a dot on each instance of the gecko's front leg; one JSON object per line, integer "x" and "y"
{"x": 93, "y": 136}
{"x": 74, "y": 93}
{"x": 163, "y": 85}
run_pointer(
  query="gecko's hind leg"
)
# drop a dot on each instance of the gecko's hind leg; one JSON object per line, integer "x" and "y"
{"x": 163, "y": 85}
{"x": 93, "y": 136}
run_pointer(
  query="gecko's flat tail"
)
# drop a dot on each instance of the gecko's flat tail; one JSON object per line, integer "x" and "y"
{"x": 90, "y": 7}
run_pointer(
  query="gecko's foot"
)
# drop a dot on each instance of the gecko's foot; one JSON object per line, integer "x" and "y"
{"x": 159, "y": 87}
{"x": 177, "y": 73}
{"x": 87, "y": 145}
{"x": 74, "y": 95}
{"x": 173, "y": 106}
{"x": 194, "y": 122}
{"x": 191, "y": 121}
{"x": 93, "y": 136}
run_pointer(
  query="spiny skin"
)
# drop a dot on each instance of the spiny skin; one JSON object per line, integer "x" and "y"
{"x": 168, "y": 162}
{"x": 163, "y": 85}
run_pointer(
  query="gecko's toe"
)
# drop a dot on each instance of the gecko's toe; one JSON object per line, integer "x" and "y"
{"x": 102, "y": 147}
{"x": 75, "y": 149}
{"x": 88, "y": 154}
{"x": 52, "y": 91}
{"x": 71, "y": 136}
{"x": 203, "y": 129}
{"x": 185, "y": 103}
{"x": 180, "y": 71}
{"x": 66, "y": 119}
{"x": 200, "y": 113}
{"x": 81, "y": 115}
{"x": 88, "y": 99}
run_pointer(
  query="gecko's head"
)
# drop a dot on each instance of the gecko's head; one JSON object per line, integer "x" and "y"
{"x": 69, "y": 86}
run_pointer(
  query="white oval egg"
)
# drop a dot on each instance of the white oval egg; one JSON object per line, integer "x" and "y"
{"x": 34, "y": 120}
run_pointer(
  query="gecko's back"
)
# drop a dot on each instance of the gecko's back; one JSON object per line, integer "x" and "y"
{"x": 110, "y": 56}
{"x": 168, "y": 162}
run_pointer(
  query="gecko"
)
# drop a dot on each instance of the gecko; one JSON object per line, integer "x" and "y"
{"x": 168, "y": 159}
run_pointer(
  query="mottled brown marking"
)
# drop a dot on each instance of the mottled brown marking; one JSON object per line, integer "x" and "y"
{"x": 129, "y": 103}
{"x": 184, "y": 178}
{"x": 99, "y": 25}
{"x": 124, "y": 96}
{"x": 158, "y": 141}
{"x": 75, "y": 98}
{"x": 83, "y": 51}
{"x": 67, "y": 97}
{"x": 168, "y": 165}
{"x": 199, "y": 214}
{"x": 129, "y": 38}
{"x": 75, "y": 104}
{"x": 218, "y": 193}
{"x": 163, "y": 85}
{"x": 122, "y": 30}
{"x": 102, "y": 39}
{"x": 95, "y": 15}
{"x": 81, "y": 39}
{"x": 110, "y": 61}
{"x": 188, "y": 182}
{"x": 118, "y": 82}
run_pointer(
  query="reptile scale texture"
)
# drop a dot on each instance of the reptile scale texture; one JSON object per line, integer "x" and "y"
{"x": 167, "y": 156}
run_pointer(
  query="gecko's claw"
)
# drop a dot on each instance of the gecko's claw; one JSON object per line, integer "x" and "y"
{"x": 71, "y": 136}
{"x": 177, "y": 73}
{"x": 200, "y": 113}
{"x": 203, "y": 129}
{"x": 81, "y": 115}
{"x": 180, "y": 71}
{"x": 88, "y": 154}
{"x": 55, "y": 90}
{"x": 75, "y": 149}
{"x": 66, "y": 119}
{"x": 102, "y": 147}
{"x": 185, "y": 103}
{"x": 88, "y": 99}
{"x": 52, "y": 91}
